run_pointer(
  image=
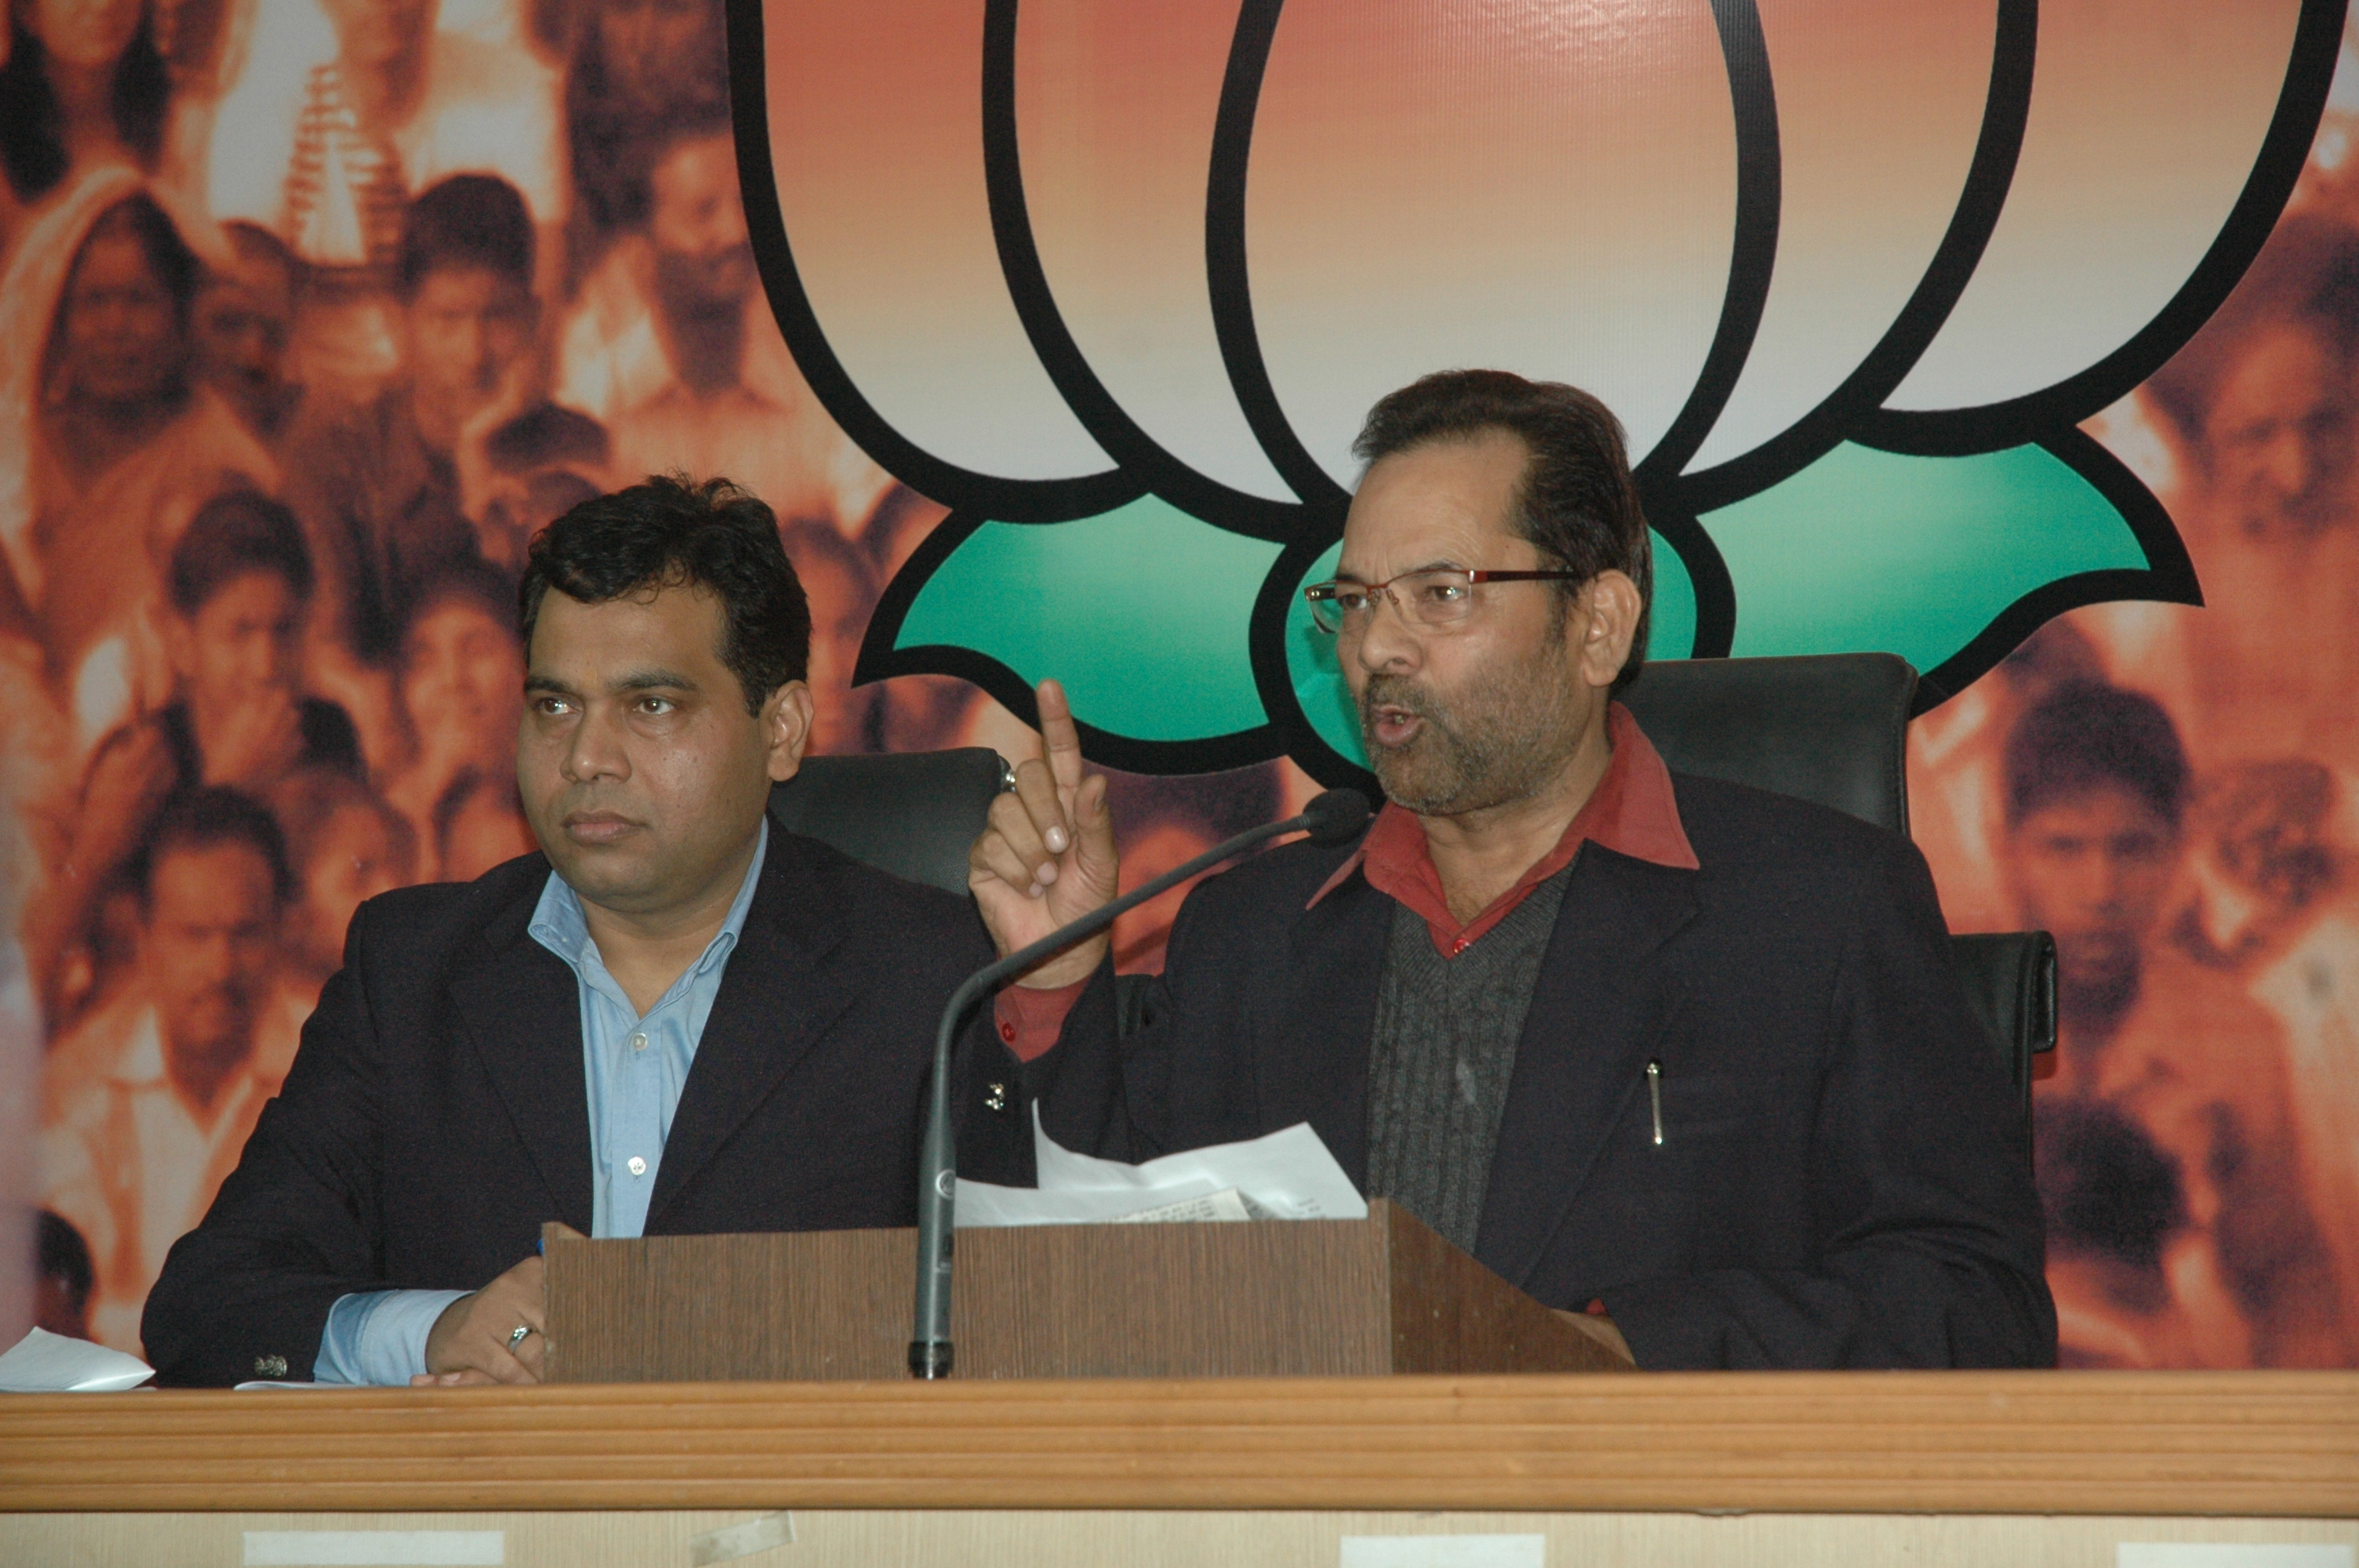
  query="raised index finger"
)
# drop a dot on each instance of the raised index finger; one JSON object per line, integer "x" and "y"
{"x": 1060, "y": 741}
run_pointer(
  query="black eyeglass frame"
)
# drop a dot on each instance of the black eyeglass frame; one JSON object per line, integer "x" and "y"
{"x": 1320, "y": 593}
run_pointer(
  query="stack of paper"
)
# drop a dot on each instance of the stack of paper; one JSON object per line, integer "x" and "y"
{"x": 46, "y": 1363}
{"x": 1289, "y": 1174}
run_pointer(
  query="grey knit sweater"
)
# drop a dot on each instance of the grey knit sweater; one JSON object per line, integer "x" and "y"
{"x": 1444, "y": 1049}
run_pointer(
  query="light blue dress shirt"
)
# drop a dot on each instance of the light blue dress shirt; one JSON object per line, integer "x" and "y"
{"x": 635, "y": 1066}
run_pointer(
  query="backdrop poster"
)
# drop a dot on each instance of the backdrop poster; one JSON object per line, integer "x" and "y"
{"x": 2014, "y": 339}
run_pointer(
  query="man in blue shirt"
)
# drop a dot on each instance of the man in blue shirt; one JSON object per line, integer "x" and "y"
{"x": 674, "y": 1018}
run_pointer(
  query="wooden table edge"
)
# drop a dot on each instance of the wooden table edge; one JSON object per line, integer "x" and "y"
{"x": 2230, "y": 1443}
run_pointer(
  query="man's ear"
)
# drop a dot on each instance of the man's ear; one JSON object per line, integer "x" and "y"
{"x": 1606, "y": 621}
{"x": 786, "y": 722}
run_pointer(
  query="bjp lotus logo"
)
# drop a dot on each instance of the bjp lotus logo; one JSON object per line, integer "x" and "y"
{"x": 1117, "y": 281}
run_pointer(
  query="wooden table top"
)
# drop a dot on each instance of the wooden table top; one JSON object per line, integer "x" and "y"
{"x": 2247, "y": 1444}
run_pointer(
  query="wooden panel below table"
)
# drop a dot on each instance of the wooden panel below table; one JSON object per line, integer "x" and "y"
{"x": 2258, "y": 1444}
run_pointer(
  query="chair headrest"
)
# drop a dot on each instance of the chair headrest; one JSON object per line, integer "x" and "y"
{"x": 914, "y": 814}
{"x": 1830, "y": 727}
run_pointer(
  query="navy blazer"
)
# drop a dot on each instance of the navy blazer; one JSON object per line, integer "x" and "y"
{"x": 1843, "y": 1178}
{"x": 437, "y": 1113}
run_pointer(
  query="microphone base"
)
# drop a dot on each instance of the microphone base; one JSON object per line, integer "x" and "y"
{"x": 930, "y": 1360}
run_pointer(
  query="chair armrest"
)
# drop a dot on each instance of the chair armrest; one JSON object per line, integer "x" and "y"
{"x": 2010, "y": 980}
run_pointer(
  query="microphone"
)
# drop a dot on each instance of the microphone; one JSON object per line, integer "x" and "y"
{"x": 1333, "y": 818}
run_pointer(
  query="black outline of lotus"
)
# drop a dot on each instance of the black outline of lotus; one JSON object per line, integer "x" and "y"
{"x": 1308, "y": 527}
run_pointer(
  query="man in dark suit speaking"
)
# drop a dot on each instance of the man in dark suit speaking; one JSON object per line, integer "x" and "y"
{"x": 674, "y": 1020}
{"x": 1686, "y": 1056}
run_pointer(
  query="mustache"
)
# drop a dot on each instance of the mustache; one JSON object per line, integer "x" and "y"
{"x": 1399, "y": 691}
{"x": 576, "y": 802}
{"x": 1392, "y": 691}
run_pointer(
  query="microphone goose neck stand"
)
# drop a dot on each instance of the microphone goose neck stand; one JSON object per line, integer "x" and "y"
{"x": 1330, "y": 818}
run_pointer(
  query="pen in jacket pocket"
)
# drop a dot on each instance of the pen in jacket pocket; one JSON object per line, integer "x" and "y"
{"x": 1655, "y": 1096}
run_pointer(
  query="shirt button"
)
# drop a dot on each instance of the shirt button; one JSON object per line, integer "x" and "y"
{"x": 1007, "y": 1032}
{"x": 638, "y": 1042}
{"x": 635, "y": 1165}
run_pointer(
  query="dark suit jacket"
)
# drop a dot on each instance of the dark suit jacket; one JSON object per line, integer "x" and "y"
{"x": 1844, "y": 1177}
{"x": 437, "y": 1113}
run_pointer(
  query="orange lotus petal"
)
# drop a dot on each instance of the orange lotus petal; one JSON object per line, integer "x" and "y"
{"x": 2145, "y": 122}
{"x": 876, "y": 125}
{"x": 1549, "y": 190}
{"x": 1879, "y": 109}
{"x": 1114, "y": 109}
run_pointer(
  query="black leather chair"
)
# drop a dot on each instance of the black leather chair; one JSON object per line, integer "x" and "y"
{"x": 914, "y": 814}
{"x": 1830, "y": 728}
{"x": 1833, "y": 729}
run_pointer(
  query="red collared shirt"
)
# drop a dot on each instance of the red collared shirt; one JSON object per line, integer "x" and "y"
{"x": 1632, "y": 811}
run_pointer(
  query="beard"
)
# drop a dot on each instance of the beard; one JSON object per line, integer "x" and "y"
{"x": 1497, "y": 742}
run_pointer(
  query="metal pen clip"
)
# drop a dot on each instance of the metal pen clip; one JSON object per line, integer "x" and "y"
{"x": 1655, "y": 1097}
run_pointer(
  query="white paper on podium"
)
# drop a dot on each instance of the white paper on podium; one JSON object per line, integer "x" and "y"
{"x": 46, "y": 1363}
{"x": 1287, "y": 1175}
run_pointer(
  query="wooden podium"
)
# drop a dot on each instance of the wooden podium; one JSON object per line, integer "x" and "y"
{"x": 1272, "y": 1298}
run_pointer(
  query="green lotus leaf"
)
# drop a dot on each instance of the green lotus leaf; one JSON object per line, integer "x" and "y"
{"x": 1867, "y": 550}
{"x": 1327, "y": 702}
{"x": 1142, "y": 612}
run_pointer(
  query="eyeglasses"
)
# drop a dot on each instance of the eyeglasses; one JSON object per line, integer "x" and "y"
{"x": 1435, "y": 598}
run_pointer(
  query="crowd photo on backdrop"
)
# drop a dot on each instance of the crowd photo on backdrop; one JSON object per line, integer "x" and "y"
{"x": 317, "y": 315}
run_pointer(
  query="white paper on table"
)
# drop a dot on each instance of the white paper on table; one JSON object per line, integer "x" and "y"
{"x": 46, "y": 1363}
{"x": 981, "y": 1204}
{"x": 1289, "y": 1174}
{"x": 1228, "y": 1203}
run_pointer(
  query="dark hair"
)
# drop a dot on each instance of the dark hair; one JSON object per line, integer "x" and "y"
{"x": 671, "y": 532}
{"x": 32, "y": 146}
{"x": 252, "y": 241}
{"x": 468, "y": 220}
{"x": 615, "y": 139}
{"x": 2306, "y": 280}
{"x": 544, "y": 437}
{"x": 2084, "y": 735}
{"x": 63, "y": 1254}
{"x": 465, "y": 581}
{"x": 201, "y": 819}
{"x": 168, "y": 256}
{"x": 1576, "y": 502}
{"x": 232, "y": 535}
{"x": 312, "y": 799}
{"x": 693, "y": 120}
{"x": 697, "y": 122}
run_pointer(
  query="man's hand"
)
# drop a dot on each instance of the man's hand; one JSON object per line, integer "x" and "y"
{"x": 519, "y": 391}
{"x": 255, "y": 743}
{"x": 473, "y": 1340}
{"x": 1048, "y": 856}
